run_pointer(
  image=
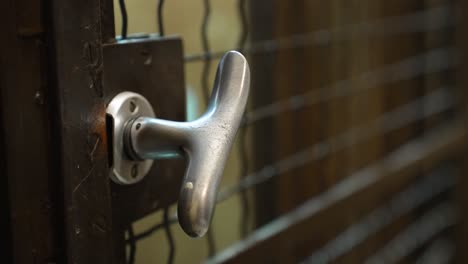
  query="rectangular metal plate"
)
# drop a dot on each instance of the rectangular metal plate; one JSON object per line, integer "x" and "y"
{"x": 154, "y": 68}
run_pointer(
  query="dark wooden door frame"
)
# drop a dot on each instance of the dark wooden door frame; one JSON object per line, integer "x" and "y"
{"x": 89, "y": 68}
{"x": 76, "y": 53}
{"x": 53, "y": 137}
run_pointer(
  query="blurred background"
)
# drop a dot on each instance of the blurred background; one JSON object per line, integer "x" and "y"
{"x": 348, "y": 149}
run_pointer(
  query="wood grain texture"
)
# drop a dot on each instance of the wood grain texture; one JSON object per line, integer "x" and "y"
{"x": 31, "y": 204}
{"x": 76, "y": 53}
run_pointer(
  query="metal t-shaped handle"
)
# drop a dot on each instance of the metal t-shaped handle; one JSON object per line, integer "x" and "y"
{"x": 206, "y": 142}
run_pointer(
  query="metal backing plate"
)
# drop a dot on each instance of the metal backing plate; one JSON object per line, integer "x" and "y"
{"x": 123, "y": 108}
{"x": 154, "y": 68}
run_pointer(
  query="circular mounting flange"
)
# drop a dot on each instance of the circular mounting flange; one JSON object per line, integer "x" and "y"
{"x": 123, "y": 108}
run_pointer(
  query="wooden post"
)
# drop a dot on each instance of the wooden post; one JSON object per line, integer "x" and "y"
{"x": 30, "y": 185}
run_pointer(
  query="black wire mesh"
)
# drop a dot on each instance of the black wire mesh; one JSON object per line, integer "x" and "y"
{"x": 441, "y": 100}
{"x": 439, "y": 18}
{"x": 441, "y": 181}
{"x": 438, "y": 101}
{"x": 205, "y": 83}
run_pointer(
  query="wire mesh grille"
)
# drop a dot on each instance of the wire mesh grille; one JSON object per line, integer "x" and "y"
{"x": 440, "y": 100}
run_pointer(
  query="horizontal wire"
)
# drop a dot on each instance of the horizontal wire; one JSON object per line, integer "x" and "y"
{"x": 438, "y": 101}
{"x": 417, "y": 22}
{"x": 401, "y": 204}
{"x": 441, "y": 251}
{"x": 417, "y": 234}
{"x": 432, "y": 61}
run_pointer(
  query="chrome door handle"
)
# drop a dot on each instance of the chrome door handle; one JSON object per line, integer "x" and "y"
{"x": 139, "y": 138}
